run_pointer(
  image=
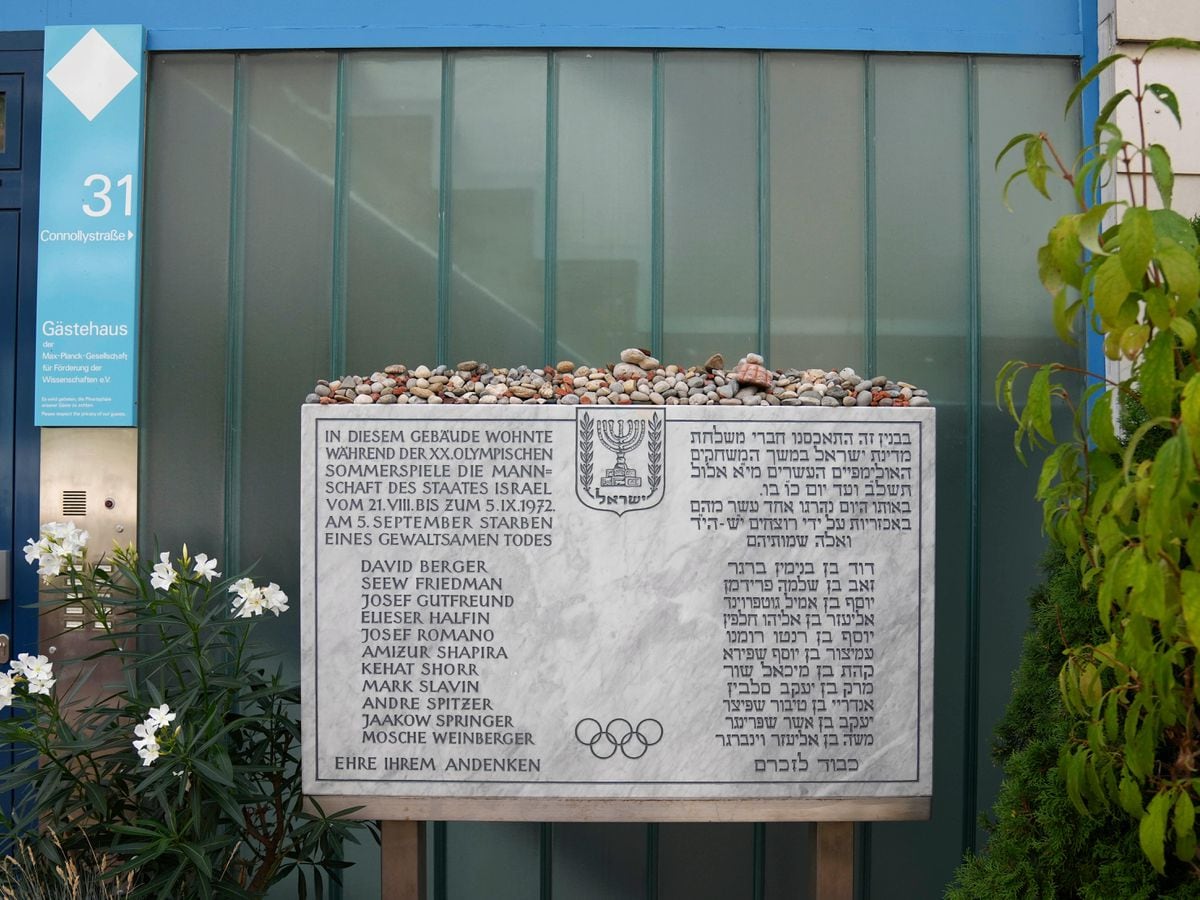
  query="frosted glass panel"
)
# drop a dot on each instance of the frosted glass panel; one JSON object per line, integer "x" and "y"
{"x": 492, "y": 859}
{"x": 1014, "y": 96}
{"x": 710, "y": 164}
{"x": 242, "y": 264}
{"x": 185, "y": 288}
{"x": 787, "y": 870}
{"x": 498, "y": 208}
{"x": 705, "y": 860}
{"x": 604, "y": 204}
{"x": 391, "y": 167}
{"x": 818, "y": 204}
{"x": 923, "y": 299}
{"x": 599, "y": 862}
{"x": 287, "y": 225}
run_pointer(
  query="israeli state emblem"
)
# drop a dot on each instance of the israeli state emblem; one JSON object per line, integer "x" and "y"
{"x": 620, "y": 456}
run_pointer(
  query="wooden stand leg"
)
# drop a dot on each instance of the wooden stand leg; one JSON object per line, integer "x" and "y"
{"x": 833, "y": 855}
{"x": 403, "y": 857}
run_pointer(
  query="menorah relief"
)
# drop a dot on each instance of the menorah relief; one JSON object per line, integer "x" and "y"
{"x": 621, "y": 437}
{"x": 631, "y": 438}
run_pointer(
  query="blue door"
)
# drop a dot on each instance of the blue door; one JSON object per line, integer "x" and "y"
{"x": 20, "y": 132}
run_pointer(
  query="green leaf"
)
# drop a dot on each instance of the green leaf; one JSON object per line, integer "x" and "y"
{"x": 1160, "y": 168}
{"x": 1048, "y": 270}
{"x": 1088, "y": 78}
{"x": 1177, "y": 42}
{"x": 1111, "y": 288}
{"x": 1183, "y": 275}
{"x": 1136, "y": 234}
{"x": 1158, "y": 307}
{"x": 1110, "y": 722}
{"x": 1184, "y": 824}
{"x": 1152, "y": 830}
{"x": 1065, "y": 250}
{"x": 1133, "y": 339}
{"x": 1020, "y": 138}
{"x": 1156, "y": 375}
{"x": 1167, "y": 98}
{"x": 1189, "y": 410}
{"x": 1091, "y": 226}
{"x": 1189, "y": 585}
{"x": 1037, "y": 412}
{"x": 1072, "y": 769}
{"x": 1186, "y": 332}
{"x": 1035, "y": 165}
{"x": 1139, "y": 752}
{"x": 1130, "y": 796}
{"x": 1064, "y": 313}
{"x": 1089, "y": 684}
{"x": 1068, "y": 687}
{"x": 1106, "y": 112}
{"x": 1171, "y": 226}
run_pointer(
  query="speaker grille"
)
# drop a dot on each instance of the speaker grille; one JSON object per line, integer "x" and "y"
{"x": 74, "y": 503}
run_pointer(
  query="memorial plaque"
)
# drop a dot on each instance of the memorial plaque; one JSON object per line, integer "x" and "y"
{"x": 637, "y": 609}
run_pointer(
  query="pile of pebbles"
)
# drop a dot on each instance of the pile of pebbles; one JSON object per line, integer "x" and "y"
{"x": 638, "y": 378}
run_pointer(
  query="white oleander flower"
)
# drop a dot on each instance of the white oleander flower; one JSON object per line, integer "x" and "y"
{"x": 33, "y": 552}
{"x": 275, "y": 600}
{"x": 249, "y": 603}
{"x": 241, "y": 586}
{"x": 205, "y": 568}
{"x": 32, "y": 667}
{"x": 57, "y": 543}
{"x": 70, "y": 539}
{"x": 254, "y": 601}
{"x": 41, "y": 685}
{"x": 164, "y": 574}
{"x": 144, "y": 735}
{"x": 6, "y": 689}
{"x": 159, "y": 717}
{"x": 149, "y": 753}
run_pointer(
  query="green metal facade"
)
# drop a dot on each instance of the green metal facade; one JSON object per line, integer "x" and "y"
{"x": 312, "y": 213}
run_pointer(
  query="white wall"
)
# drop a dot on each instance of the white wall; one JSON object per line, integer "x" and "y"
{"x": 1127, "y": 26}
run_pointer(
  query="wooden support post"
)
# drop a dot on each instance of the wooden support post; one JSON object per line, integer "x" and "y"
{"x": 403, "y": 858}
{"x": 833, "y": 860}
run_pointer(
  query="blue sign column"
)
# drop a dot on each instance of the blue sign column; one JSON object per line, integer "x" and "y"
{"x": 89, "y": 235}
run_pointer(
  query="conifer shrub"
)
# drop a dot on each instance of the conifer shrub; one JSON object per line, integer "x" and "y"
{"x": 1040, "y": 845}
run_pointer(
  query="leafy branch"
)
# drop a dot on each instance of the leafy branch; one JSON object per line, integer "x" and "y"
{"x": 1124, "y": 501}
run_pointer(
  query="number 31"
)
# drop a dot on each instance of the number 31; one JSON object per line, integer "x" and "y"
{"x": 101, "y": 196}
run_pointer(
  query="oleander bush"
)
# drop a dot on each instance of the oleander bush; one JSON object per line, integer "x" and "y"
{"x": 185, "y": 777}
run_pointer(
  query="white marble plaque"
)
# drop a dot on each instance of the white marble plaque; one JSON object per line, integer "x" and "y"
{"x": 617, "y": 603}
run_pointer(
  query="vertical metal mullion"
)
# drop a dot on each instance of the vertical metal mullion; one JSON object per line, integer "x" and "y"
{"x": 550, "y": 287}
{"x": 444, "y": 211}
{"x": 652, "y": 860}
{"x": 764, "y": 209}
{"x": 439, "y": 861}
{"x": 862, "y": 866}
{"x": 337, "y": 306}
{"x": 871, "y": 362}
{"x": 442, "y": 349}
{"x": 546, "y": 862}
{"x": 234, "y": 336}
{"x": 974, "y": 325}
{"x": 657, "y": 229}
{"x": 759, "y": 878}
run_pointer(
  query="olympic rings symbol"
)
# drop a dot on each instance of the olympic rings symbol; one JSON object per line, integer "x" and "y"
{"x": 605, "y": 740}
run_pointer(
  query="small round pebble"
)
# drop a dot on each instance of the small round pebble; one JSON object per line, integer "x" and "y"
{"x": 637, "y": 379}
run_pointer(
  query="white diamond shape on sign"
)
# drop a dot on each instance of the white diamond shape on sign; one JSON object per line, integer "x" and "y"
{"x": 91, "y": 74}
